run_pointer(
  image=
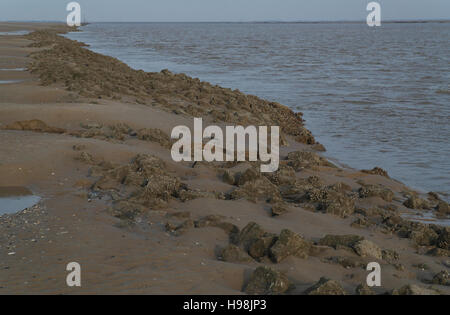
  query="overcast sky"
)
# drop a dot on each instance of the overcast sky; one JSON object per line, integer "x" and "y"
{"x": 222, "y": 10}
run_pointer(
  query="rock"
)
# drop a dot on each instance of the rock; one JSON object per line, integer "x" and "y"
{"x": 299, "y": 160}
{"x": 154, "y": 135}
{"x": 442, "y": 278}
{"x": 367, "y": 248}
{"x": 364, "y": 289}
{"x": 443, "y": 240}
{"x": 78, "y": 147}
{"x": 285, "y": 175}
{"x": 35, "y": 125}
{"x": 228, "y": 177}
{"x": 346, "y": 262}
{"x": 390, "y": 256}
{"x": 333, "y": 200}
{"x": 415, "y": 202}
{"x": 85, "y": 158}
{"x": 326, "y": 287}
{"x": 249, "y": 175}
{"x": 260, "y": 247}
{"x": 289, "y": 244}
{"x": 424, "y": 237}
{"x": 340, "y": 241}
{"x": 443, "y": 208}
{"x": 368, "y": 191}
{"x": 438, "y": 252}
{"x": 234, "y": 254}
{"x": 376, "y": 171}
{"x": 266, "y": 281}
{"x": 179, "y": 230}
{"x": 249, "y": 234}
{"x": 412, "y": 289}
{"x": 260, "y": 189}
{"x": 278, "y": 209}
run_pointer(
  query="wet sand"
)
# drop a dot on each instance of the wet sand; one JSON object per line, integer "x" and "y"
{"x": 77, "y": 141}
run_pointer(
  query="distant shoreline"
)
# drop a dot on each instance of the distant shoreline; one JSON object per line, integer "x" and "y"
{"x": 241, "y": 22}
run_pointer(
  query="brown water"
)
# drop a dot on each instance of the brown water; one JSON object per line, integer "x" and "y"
{"x": 372, "y": 96}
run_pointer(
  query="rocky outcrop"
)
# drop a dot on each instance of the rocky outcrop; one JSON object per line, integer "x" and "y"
{"x": 35, "y": 125}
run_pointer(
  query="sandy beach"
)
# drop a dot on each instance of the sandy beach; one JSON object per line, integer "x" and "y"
{"x": 91, "y": 137}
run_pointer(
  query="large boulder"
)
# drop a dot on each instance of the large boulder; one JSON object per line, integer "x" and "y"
{"x": 289, "y": 244}
{"x": 266, "y": 281}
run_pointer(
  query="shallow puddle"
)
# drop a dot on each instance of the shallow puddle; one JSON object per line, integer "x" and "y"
{"x": 15, "y": 199}
{"x": 14, "y": 69}
{"x": 10, "y": 81}
{"x": 14, "y": 33}
{"x": 426, "y": 218}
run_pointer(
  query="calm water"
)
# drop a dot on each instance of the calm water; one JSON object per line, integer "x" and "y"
{"x": 372, "y": 96}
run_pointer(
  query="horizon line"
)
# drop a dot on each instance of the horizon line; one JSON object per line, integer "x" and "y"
{"x": 243, "y": 22}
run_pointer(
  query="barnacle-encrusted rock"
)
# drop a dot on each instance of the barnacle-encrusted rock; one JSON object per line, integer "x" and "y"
{"x": 326, "y": 287}
{"x": 267, "y": 281}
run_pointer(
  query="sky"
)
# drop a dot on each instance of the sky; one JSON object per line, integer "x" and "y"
{"x": 222, "y": 10}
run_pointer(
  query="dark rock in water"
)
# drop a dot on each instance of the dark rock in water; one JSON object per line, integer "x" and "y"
{"x": 412, "y": 289}
{"x": 443, "y": 208}
{"x": 415, "y": 202}
{"x": 376, "y": 191}
{"x": 326, "y": 287}
{"x": 442, "y": 278}
{"x": 376, "y": 171}
{"x": 319, "y": 147}
{"x": 364, "y": 289}
{"x": 266, "y": 281}
{"x": 289, "y": 244}
{"x": 235, "y": 254}
{"x": 433, "y": 196}
{"x": 340, "y": 241}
